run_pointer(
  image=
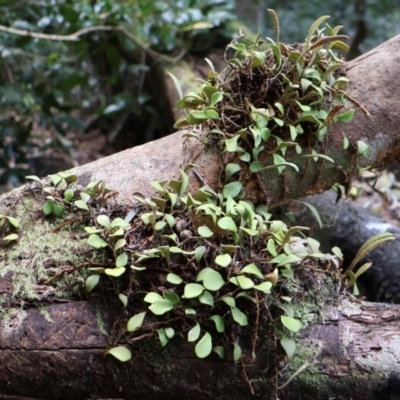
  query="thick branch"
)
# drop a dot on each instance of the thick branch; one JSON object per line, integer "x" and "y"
{"x": 351, "y": 352}
{"x": 75, "y": 37}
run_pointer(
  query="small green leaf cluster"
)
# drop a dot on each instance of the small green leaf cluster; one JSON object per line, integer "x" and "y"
{"x": 61, "y": 190}
{"x": 214, "y": 288}
{"x": 269, "y": 96}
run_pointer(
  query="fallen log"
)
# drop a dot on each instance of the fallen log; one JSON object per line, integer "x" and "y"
{"x": 54, "y": 347}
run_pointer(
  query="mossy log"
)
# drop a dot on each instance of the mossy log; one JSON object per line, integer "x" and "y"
{"x": 350, "y": 351}
{"x": 54, "y": 348}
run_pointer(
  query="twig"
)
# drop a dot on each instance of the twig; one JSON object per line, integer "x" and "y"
{"x": 69, "y": 222}
{"x": 75, "y": 37}
{"x": 355, "y": 101}
{"x": 72, "y": 269}
{"x": 253, "y": 350}
{"x": 302, "y": 368}
{"x": 246, "y": 377}
{"x": 200, "y": 178}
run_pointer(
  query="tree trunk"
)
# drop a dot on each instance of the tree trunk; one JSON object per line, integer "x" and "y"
{"x": 54, "y": 348}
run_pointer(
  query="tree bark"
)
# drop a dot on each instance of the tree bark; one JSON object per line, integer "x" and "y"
{"x": 351, "y": 351}
{"x": 348, "y": 350}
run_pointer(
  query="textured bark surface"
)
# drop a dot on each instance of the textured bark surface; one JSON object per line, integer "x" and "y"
{"x": 353, "y": 352}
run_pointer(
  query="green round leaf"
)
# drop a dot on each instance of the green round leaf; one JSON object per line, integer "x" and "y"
{"x": 234, "y": 280}
{"x": 264, "y": 287}
{"x": 152, "y": 297}
{"x": 231, "y": 169}
{"x": 123, "y": 299}
{"x": 55, "y": 179}
{"x": 231, "y": 144}
{"x": 91, "y": 282}
{"x": 81, "y": 204}
{"x": 91, "y": 229}
{"x": 48, "y": 207}
{"x": 250, "y": 232}
{"x": 68, "y": 195}
{"x": 345, "y": 117}
{"x": 96, "y": 241}
{"x": 121, "y": 353}
{"x": 204, "y": 347}
{"x": 220, "y": 351}
{"x": 10, "y": 237}
{"x": 362, "y": 148}
{"x": 122, "y": 260}
{"x": 135, "y": 268}
{"x": 85, "y": 197}
{"x": 118, "y": 232}
{"x": 213, "y": 280}
{"x": 244, "y": 282}
{"x": 115, "y": 272}
{"x": 289, "y": 345}
{"x": 162, "y": 336}
{"x": 194, "y": 333}
{"x": 219, "y": 323}
{"x": 223, "y": 260}
{"x": 205, "y": 231}
{"x": 206, "y": 298}
{"x": 136, "y": 322}
{"x": 58, "y": 210}
{"x": 202, "y": 273}
{"x": 192, "y": 290}
{"x": 119, "y": 244}
{"x": 104, "y": 220}
{"x": 205, "y": 114}
{"x": 160, "y": 307}
{"x": 120, "y": 223}
{"x": 292, "y": 324}
{"x": 199, "y": 252}
{"x": 239, "y": 316}
{"x": 172, "y": 297}
{"x": 252, "y": 269}
{"x": 33, "y": 178}
{"x": 174, "y": 279}
{"x": 14, "y": 222}
{"x": 160, "y": 225}
{"x": 245, "y": 295}
{"x": 169, "y": 333}
{"x": 232, "y": 189}
{"x": 237, "y": 352}
{"x": 289, "y": 310}
{"x": 229, "y": 300}
{"x": 227, "y": 224}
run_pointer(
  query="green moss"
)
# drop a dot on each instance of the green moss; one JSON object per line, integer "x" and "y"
{"x": 41, "y": 253}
